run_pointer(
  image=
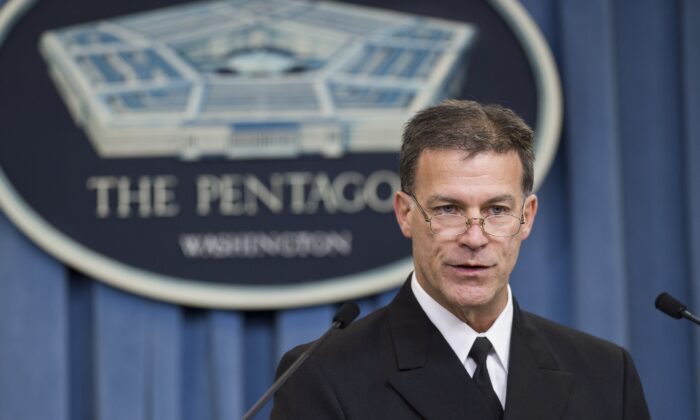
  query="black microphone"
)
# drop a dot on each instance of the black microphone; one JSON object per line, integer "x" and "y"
{"x": 345, "y": 315}
{"x": 674, "y": 308}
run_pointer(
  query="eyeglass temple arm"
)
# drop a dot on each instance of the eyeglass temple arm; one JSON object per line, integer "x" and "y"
{"x": 425, "y": 215}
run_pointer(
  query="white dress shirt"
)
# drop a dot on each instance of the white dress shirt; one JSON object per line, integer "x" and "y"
{"x": 461, "y": 337}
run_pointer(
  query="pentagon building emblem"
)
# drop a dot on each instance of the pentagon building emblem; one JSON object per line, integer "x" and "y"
{"x": 242, "y": 153}
{"x": 254, "y": 79}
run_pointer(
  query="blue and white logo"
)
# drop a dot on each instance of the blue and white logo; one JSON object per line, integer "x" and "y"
{"x": 254, "y": 79}
{"x": 242, "y": 153}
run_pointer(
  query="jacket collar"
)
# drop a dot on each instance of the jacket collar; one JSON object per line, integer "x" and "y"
{"x": 428, "y": 374}
{"x": 537, "y": 386}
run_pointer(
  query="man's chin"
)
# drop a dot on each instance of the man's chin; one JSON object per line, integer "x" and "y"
{"x": 474, "y": 296}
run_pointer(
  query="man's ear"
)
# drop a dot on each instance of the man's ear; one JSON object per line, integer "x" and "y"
{"x": 402, "y": 210}
{"x": 529, "y": 213}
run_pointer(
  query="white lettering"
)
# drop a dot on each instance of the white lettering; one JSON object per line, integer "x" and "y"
{"x": 152, "y": 196}
{"x": 102, "y": 184}
{"x": 352, "y": 181}
{"x": 321, "y": 191}
{"x": 290, "y": 244}
{"x": 297, "y": 192}
{"x": 372, "y": 188}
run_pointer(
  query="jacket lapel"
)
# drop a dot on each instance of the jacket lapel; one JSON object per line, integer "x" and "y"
{"x": 428, "y": 374}
{"x": 537, "y": 388}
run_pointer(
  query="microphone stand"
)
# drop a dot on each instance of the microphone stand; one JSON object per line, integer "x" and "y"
{"x": 288, "y": 373}
{"x": 345, "y": 315}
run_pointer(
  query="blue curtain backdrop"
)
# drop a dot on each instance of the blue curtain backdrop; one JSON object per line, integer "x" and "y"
{"x": 618, "y": 224}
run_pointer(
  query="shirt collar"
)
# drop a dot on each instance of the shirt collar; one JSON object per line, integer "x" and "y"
{"x": 459, "y": 335}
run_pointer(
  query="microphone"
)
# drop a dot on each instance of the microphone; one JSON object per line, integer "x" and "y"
{"x": 342, "y": 318}
{"x": 674, "y": 308}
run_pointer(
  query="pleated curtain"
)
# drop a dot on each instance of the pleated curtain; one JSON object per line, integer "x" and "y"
{"x": 619, "y": 222}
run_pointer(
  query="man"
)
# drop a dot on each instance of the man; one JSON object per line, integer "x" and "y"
{"x": 454, "y": 344}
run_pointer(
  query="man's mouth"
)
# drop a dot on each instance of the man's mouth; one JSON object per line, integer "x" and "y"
{"x": 470, "y": 268}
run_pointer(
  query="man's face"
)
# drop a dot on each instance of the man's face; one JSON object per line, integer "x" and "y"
{"x": 467, "y": 274}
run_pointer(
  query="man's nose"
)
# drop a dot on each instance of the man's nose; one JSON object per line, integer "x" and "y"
{"x": 474, "y": 237}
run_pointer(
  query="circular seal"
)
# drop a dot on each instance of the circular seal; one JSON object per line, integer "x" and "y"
{"x": 238, "y": 153}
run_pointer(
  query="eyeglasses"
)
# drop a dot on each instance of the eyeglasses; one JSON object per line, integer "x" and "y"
{"x": 499, "y": 225}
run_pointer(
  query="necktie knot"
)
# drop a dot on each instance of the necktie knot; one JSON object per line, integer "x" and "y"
{"x": 480, "y": 350}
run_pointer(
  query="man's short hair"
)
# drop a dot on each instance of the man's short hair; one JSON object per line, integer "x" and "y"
{"x": 467, "y": 126}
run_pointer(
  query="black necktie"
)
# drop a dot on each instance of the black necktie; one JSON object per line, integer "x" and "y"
{"x": 480, "y": 349}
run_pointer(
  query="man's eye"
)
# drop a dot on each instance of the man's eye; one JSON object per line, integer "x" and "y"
{"x": 498, "y": 210}
{"x": 446, "y": 209}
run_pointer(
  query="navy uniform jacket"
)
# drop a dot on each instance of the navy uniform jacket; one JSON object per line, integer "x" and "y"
{"x": 395, "y": 364}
